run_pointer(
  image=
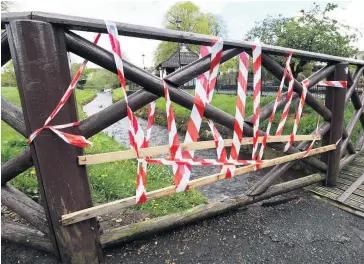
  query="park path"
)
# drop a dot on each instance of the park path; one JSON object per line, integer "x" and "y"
{"x": 294, "y": 228}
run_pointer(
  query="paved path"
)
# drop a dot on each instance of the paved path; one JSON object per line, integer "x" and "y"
{"x": 302, "y": 229}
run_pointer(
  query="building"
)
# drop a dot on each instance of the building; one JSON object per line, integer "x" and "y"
{"x": 177, "y": 60}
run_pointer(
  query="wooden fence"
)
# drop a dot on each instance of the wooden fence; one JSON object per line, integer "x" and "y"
{"x": 38, "y": 44}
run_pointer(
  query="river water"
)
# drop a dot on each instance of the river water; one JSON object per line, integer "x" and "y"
{"x": 217, "y": 190}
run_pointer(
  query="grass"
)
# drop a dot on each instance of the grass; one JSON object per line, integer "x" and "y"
{"x": 110, "y": 181}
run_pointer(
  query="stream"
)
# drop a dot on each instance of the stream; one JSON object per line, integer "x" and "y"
{"x": 119, "y": 131}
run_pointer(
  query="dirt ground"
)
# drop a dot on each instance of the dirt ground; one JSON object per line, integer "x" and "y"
{"x": 294, "y": 228}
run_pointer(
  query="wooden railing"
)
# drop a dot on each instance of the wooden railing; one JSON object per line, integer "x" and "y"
{"x": 38, "y": 44}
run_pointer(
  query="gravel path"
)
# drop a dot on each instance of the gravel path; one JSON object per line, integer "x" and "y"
{"x": 294, "y": 228}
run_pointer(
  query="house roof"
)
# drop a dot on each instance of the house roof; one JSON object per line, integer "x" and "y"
{"x": 187, "y": 56}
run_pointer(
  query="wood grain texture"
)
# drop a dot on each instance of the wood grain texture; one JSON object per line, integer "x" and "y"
{"x": 82, "y": 215}
{"x": 159, "y": 150}
{"x": 41, "y": 65}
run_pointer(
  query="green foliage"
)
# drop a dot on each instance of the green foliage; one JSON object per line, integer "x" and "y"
{"x": 5, "y": 6}
{"x": 193, "y": 20}
{"x": 312, "y": 30}
{"x": 86, "y": 72}
{"x": 8, "y": 77}
{"x": 232, "y": 64}
{"x": 101, "y": 78}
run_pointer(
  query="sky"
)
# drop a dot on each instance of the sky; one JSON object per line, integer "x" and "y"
{"x": 239, "y": 17}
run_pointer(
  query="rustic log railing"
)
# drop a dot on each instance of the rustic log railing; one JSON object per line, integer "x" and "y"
{"x": 35, "y": 39}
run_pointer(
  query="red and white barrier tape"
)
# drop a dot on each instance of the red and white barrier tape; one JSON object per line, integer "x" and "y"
{"x": 203, "y": 94}
{"x": 298, "y": 115}
{"x": 151, "y": 111}
{"x": 287, "y": 106}
{"x": 278, "y": 98}
{"x": 136, "y": 134}
{"x": 257, "y": 63}
{"x": 239, "y": 110}
{"x": 216, "y": 53}
{"x": 339, "y": 84}
{"x": 76, "y": 140}
{"x": 174, "y": 144}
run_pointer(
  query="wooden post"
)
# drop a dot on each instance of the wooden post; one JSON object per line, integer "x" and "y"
{"x": 40, "y": 61}
{"x": 335, "y": 101}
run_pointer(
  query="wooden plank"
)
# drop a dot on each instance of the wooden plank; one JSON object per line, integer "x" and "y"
{"x": 82, "y": 215}
{"x": 353, "y": 170}
{"x": 348, "y": 183}
{"x": 349, "y": 202}
{"x": 351, "y": 189}
{"x": 41, "y": 65}
{"x": 348, "y": 177}
{"x": 344, "y": 187}
{"x": 159, "y": 150}
{"x": 341, "y": 206}
{"x": 338, "y": 192}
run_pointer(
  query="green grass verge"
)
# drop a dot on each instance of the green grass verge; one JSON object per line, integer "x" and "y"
{"x": 109, "y": 181}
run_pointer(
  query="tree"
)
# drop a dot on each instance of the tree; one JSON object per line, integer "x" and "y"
{"x": 5, "y": 6}
{"x": 217, "y": 25}
{"x": 193, "y": 20}
{"x": 101, "y": 78}
{"x": 312, "y": 30}
{"x": 8, "y": 75}
{"x": 86, "y": 72}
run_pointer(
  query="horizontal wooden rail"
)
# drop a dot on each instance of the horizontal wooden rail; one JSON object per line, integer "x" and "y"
{"x": 98, "y": 25}
{"x": 159, "y": 150}
{"x": 88, "y": 213}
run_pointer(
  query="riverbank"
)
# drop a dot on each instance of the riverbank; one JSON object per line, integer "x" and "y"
{"x": 110, "y": 181}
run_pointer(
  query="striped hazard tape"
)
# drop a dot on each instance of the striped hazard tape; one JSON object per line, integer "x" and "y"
{"x": 239, "y": 110}
{"x": 339, "y": 84}
{"x": 257, "y": 69}
{"x": 278, "y": 98}
{"x": 136, "y": 134}
{"x": 205, "y": 86}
